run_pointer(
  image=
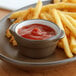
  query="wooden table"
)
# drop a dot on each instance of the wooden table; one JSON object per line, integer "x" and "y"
{"x": 65, "y": 70}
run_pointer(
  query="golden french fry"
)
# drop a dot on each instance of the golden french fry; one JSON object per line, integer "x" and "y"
{"x": 72, "y": 14}
{"x": 71, "y": 10}
{"x": 64, "y": 0}
{"x": 61, "y": 5}
{"x": 71, "y": 20}
{"x": 42, "y": 16}
{"x": 72, "y": 1}
{"x": 67, "y": 23}
{"x": 60, "y": 45}
{"x": 64, "y": 40}
{"x": 65, "y": 10}
{"x": 24, "y": 15}
{"x": 67, "y": 31}
{"x": 18, "y": 20}
{"x": 20, "y": 16}
{"x": 17, "y": 14}
{"x": 12, "y": 38}
{"x": 30, "y": 14}
{"x": 14, "y": 43}
{"x": 37, "y": 10}
{"x": 73, "y": 44}
{"x": 8, "y": 34}
{"x": 56, "y": 1}
{"x": 56, "y": 5}
{"x": 73, "y": 41}
{"x": 49, "y": 17}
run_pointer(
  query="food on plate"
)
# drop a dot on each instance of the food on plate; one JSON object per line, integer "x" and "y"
{"x": 71, "y": 20}
{"x": 37, "y": 10}
{"x": 67, "y": 23}
{"x": 73, "y": 44}
{"x": 60, "y": 5}
{"x": 36, "y": 32}
{"x": 64, "y": 0}
{"x": 56, "y": 1}
{"x": 73, "y": 1}
{"x": 64, "y": 40}
{"x": 72, "y": 14}
{"x": 63, "y": 13}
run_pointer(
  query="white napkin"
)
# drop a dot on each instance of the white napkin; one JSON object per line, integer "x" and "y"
{"x": 15, "y": 4}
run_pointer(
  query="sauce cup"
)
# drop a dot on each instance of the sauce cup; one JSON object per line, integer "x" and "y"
{"x": 36, "y": 48}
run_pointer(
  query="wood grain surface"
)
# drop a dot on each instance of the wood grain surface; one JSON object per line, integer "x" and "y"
{"x": 62, "y": 70}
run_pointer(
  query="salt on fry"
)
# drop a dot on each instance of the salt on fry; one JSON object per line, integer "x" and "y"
{"x": 64, "y": 40}
{"x": 37, "y": 10}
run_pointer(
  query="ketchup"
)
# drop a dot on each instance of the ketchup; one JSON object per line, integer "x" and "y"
{"x": 36, "y": 32}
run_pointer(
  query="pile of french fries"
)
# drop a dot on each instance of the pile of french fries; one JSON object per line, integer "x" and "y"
{"x": 63, "y": 13}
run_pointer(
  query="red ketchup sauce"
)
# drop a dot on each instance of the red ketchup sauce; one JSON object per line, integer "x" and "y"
{"x": 36, "y": 32}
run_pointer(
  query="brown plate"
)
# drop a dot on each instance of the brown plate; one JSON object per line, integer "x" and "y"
{"x": 9, "y": 54}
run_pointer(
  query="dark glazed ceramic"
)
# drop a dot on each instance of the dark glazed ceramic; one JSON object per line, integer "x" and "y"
{"x": 36, "y": 48}
{"x": 10, "y": 54}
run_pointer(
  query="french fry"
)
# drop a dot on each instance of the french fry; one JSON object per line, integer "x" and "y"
{"x": 71, "y": 20}
{"x": 8, "y": 34}
{"x": 72, "y": 1}
{"x": 56, "y": 1}
{"x": 73, "y": 44}
{"x": 37, "y": 10}
{"x": 18, "y": 20}
{"x": 20, "y": 16}
{"x": 67, "y": 31}
{"x": 14, "y": 43}
{"x": 23, "y": 16}
{"x": 71, "y": 10}
{"x": 60, "y": 45}
{"x": 16, "y": 14}
{"x": 42, "y": 16}
{"x": 12, "y": 38}
{"x": 68, "y": 24}
{"x": 30, "y": 14}
{"x": 64, "y": 0}
{"x": 49, "y": 17}
{"x": 56, "y": 5}
{"x": 72, "y": 14}
{"x": 61, "y": 5}
{"x": 64, "y": 40}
